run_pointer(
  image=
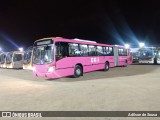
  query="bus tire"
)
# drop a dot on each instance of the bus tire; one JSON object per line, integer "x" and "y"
{"x": 126, "y": 63}
{"x": 77, "y": 71}
{"x": 106, "y": 67}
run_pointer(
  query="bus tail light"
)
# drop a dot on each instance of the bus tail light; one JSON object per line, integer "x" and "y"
{"x": 51, "y": 69}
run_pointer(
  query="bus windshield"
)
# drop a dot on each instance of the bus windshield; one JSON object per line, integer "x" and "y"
{"x": 9, "y": 58}
{"x": 27, "y": 57}
{"x": 146, "y": 53}
{"x": 17, "y": 57}
{"x": 43, "y": 54}
{"x": 3, "y": 57}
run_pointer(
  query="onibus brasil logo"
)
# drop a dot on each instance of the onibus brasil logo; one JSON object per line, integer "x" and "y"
{"x": 21, "y": 114}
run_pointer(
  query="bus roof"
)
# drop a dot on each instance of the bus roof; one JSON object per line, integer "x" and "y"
{"x": 16, "y": 52}
{"x": 81, "y": 41}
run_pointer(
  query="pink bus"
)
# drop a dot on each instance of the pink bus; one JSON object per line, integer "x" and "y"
{"x": 59, "y": 57}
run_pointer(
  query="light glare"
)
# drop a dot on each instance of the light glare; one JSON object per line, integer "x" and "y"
{"x": 127, "y": 46}
{"x": 141, "y": 44}
{"x": 21, "y": 49}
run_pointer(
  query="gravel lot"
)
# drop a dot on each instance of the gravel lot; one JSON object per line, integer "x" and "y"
{"x": 132, "y": 88}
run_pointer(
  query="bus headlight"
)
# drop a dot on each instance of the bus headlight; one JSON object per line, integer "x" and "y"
{"x": 51, "y": 69}
{"x": 34, "y": 69}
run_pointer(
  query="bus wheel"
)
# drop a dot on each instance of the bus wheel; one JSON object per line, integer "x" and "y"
{"x": 77, "y": 71}
{"x": 126, "y": 63}
{"x": 106, "y": 67}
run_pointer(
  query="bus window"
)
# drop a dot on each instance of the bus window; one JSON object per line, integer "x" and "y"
{"x": 110, "y": 51}
{"x": 99, "y": 50}
{"x": 125, "y": 52}
{"x": 83, "y": 50}
{"x": 74, "y": 49}
{"x": 92, "y": 50}
{"x": 61, "y": 50}
{"x": 120, "y": 52}
{"x": 105, "y": 50}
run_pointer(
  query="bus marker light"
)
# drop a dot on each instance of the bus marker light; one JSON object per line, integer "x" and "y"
{"x": 51, "y": 69}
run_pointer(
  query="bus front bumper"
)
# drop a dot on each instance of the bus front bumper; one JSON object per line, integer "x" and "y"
{"x": 46, "y": 75}
{"x": 146, "y": 62}
{"x": 52, "y": 73}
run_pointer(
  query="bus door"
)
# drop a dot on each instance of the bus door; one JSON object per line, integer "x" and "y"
{"x": 62, "y": 55}
{"x": 115, "y": 56}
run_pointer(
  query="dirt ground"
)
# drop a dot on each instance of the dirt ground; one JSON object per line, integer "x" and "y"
{"x": 132, "y": 88}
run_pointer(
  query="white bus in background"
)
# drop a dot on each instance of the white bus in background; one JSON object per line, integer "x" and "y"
{"x": 14, "y": 60}
{"x": 149, "y": 55}
{"x": 135, "y": 54}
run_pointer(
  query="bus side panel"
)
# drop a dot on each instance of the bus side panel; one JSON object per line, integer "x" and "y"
{"x": 65, "y": 66}
{"x": 70, "y": 62}
{"x": 121, "y": 60}
{"x": 97, "y": 62}
{"x": 89, "y": 63}
{"x": 129, "y": 59}
{"x": 60, "y": 73}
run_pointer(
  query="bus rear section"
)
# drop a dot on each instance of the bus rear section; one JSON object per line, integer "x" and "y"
{"x": 58, "y": 57}
{"x": 14, "y": 60}
{"x": 122, "y": 56}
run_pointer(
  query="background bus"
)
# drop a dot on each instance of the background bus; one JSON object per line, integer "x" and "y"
{"x": 59, "y": 57}
{"x": 157, "y": 55}
{"x": 27, "y": 63}
{"x": 149, "y": 55}
{"x": 135, "y": 54}
{"x": 3, "y": 60}
{"x": 14, "y": 60}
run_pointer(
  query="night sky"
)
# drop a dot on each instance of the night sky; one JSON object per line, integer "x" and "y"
{"x": 112, "y": 22}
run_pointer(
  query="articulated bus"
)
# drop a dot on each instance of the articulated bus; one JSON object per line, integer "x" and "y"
{"x": 60, "y": 57}
{"x": 14, "y": 60}
{"x": 27, "y": 63}
{"x": 3, "y": 60}
{"x": 149, "y": 55}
